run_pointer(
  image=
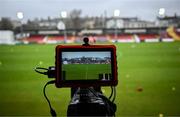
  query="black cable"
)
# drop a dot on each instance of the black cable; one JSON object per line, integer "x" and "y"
{"x": 114, "y": 97}
{"x": 52, "y": 111}
{"x": 111, "y": 93}
{"x": 110, "y": 106}
{"x": 41, "y": 68}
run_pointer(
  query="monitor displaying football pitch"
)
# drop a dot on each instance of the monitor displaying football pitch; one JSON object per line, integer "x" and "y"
{"x": 86, "y": 65}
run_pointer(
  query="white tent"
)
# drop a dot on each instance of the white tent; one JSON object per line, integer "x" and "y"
{"x": 6, "y": 37}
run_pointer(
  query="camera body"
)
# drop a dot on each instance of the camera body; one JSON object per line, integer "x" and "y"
{"x": 88, "y": 102}
{"x": 85, "y": 66}
{"x": 85, "y": 103}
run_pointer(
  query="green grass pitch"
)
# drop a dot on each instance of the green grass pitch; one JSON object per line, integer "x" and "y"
{"x": 85, "y": 71}
{"x": 153, "y": 67}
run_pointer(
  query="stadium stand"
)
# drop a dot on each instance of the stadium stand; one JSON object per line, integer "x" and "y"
{"x": 59, "y": 39}
{"x": 172, "y": 32}
{"x": 35, "y": 39}
{"x": 168, "y": 35}
{"x": 144, "y": 37}
{"x": 121, "y": 38}
{"x": 125, "y": 38}
{"x": 54, "y": 39}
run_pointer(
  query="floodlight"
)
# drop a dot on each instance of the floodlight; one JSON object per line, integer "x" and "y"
{"x": 162, "y": 11}
{"x": 64, "y": 14}
{"x": 20, "y": 15}
{"x": 116, "y": 13}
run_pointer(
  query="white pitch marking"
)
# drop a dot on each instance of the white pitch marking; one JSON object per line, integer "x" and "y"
{"x": 86, "y": 72}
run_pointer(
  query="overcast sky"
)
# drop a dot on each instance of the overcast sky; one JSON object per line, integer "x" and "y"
{"x": 144, "y": 9}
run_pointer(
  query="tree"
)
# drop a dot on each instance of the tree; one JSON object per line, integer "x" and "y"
{"x": 6, "y": 24}
{"x": 75, "y": 18}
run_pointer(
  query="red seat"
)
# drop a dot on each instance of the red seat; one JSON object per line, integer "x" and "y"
{"x": 35, "y": 38}
{"x": 147, "y": 36}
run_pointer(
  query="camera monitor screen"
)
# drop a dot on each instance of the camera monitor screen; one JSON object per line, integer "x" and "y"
{"x": 85, "y": 66}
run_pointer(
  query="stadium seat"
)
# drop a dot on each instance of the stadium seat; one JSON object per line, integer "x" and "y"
{"x": 35, "y": 39}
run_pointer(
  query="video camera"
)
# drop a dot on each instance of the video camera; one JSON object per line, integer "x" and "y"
{"x": 85, "y": 69}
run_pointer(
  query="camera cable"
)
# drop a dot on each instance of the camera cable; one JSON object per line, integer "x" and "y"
{"x": 52, "y": 111}
{"x": 111, "y": 93}
{"x": 39, "y": 70}
{"x": 114, "y": 97}
{"x": 50, "y": 72}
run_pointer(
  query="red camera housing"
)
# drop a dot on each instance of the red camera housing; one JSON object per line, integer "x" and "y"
{"x": 86, "y": 66}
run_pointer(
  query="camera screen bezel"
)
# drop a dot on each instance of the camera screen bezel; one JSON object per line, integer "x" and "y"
{"x": 60, "y": 82}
